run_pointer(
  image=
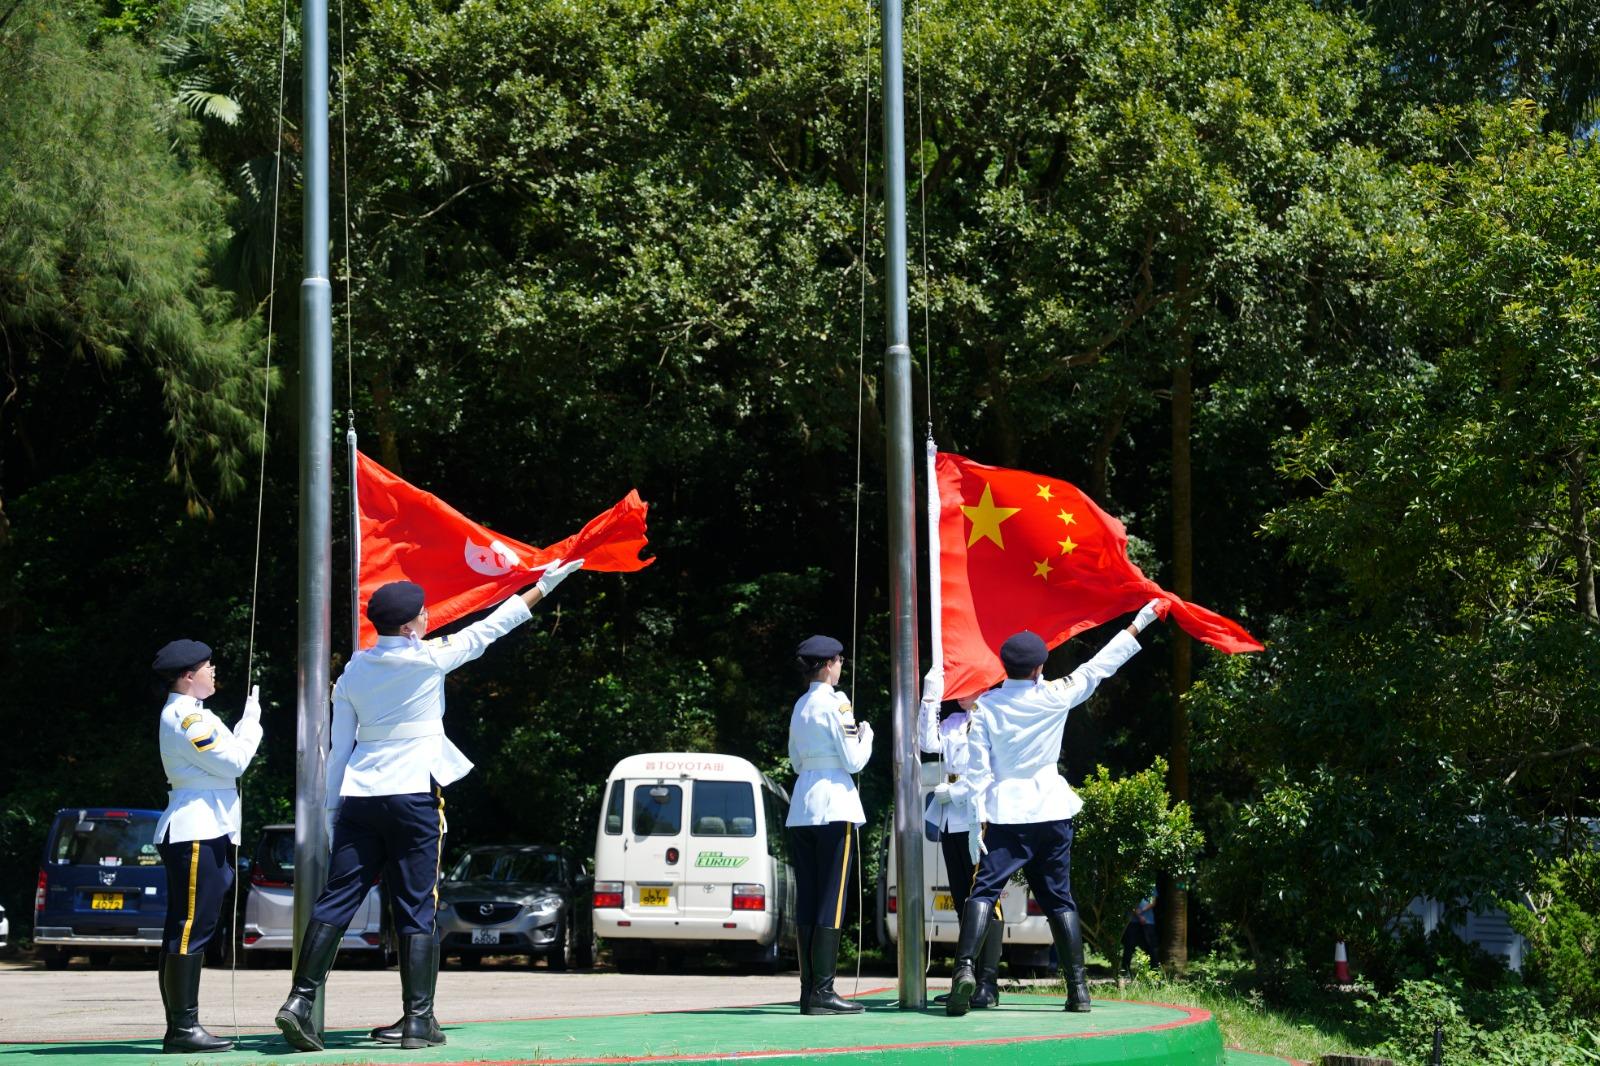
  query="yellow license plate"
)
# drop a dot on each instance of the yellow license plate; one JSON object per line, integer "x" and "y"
{"x": 106, "y": 901}
{"x": 653, "y": 897}
{"x": 943, "y": 901}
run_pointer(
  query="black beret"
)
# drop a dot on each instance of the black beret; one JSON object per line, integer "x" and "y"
{"x": 395, "y": 604}
{"x": 179, "y": 655}
{"x": 1023, "y": 651}
{"x": 819, "y": 648}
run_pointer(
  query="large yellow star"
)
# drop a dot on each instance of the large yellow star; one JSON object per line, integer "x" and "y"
{"x": 1042, "y": 569}
{"x": 1066, "y": 516}
{"x": 1043, "y": 493}
{"x": 986, "y": 519}
{"x": 1066, "y": 546}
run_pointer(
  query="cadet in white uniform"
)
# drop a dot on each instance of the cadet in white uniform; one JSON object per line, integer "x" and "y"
{"x": 1026, "y": 805}
{"x": 826, "y": 746}
{"x": 388, "y": 764}
{"x": 203, "y": 760}
{"x": 954, "y": 813}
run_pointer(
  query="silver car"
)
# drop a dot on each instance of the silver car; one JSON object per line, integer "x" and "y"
{"x": 518, "y": 899}
{"x": 268, "y": 923}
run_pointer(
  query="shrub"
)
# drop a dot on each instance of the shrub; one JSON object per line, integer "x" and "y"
{"x": 1561, "y": 923}
{"x": 1128, "y": 831}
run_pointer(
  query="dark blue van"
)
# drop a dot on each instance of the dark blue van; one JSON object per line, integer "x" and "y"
{"x": 101, "y": 886}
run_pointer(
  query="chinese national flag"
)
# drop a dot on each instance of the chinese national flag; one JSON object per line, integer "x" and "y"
{"x": 411, "y": 535}
{"x": 1021, "y": 551}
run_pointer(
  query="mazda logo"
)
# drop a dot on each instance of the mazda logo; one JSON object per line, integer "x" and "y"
{"x": 108, "y": 877}
{"x": 484, "y": 909}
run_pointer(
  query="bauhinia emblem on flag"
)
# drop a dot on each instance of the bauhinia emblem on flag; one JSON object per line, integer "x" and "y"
{"x": 411, "y": 535}
{"x": 1023, "y": 551}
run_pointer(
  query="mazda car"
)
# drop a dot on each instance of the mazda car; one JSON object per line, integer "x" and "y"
{"x": 517, "y": 899}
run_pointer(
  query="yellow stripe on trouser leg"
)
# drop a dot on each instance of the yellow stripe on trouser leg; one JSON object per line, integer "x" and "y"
{"x": 438, "y": 856}
{"x": 844, "y": 875}
{"x": 194, "y": 875}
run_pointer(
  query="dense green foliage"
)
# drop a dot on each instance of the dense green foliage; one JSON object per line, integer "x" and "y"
{"x": 1127, "y": 832}
{"x": 1267, "y": 254}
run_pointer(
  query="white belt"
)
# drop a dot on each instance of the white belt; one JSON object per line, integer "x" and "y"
{"x": 202, "y": 782}
{"x": 820, "y": 762}
{"x": 400, "y": 731}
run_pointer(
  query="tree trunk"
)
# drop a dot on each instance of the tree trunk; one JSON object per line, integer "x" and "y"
{"x": 1175, "y": 948}
{"x": 1583, "y": 547}
{"x": 383, "y": 418}
{"x": 1100, "y": 463}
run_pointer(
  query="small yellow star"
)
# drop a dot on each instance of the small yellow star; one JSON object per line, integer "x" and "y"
{"x": 986, "y": 519}
{"x": 1042, "y": 569}
{"x": 1066, "y": 516}
{"x": 1066, "y": 546}
{"x": 1044, "y": 492}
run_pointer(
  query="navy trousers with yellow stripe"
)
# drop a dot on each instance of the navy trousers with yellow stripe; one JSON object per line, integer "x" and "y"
{"x": 198, "y": 878}
{"x": 824, "y": 859}
{"x": 398, "y": 838}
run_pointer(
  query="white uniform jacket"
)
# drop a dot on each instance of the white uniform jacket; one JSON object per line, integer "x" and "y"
{"x": 825, "y": 748}
{"x": 388, "y": 711}
{"x": 948, "y": 740}
{"x": 203, "y": 759}
{"x": 1015, "y": 740}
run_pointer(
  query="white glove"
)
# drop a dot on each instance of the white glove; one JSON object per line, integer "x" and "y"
{"x": 1146, "y": 615}
{"x": 330, "y": 820}
{"x": 555, "y": 573}
{"x": 864, "y": 732}
{"x": 252, "y": 705}
{"x": 941, "y": 792}
{"x": 975, "y": 845}
{"x": 933, "y": 686}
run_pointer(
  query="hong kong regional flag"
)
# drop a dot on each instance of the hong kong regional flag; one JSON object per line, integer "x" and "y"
{"x": 1023, "y": 551}
{"x": 411, "y": 535}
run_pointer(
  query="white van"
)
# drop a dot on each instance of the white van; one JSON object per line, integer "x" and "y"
{"x": 689, "y": 855}
{"x": 1027, "y": 942}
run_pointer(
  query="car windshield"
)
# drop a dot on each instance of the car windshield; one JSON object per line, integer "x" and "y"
{"x": 504, "y": 864}
{"x": 117, "y": 839}
{"x": 275, "y": 854}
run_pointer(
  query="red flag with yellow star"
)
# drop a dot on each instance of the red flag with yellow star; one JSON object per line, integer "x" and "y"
{"x": 1023, "y": 551}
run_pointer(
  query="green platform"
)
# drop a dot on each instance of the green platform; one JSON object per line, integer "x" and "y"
{"x": 1024, "y": 1031}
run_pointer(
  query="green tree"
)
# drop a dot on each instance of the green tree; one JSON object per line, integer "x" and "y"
{"x": 1434, "y": 704}
{"x": 105, "y": 234}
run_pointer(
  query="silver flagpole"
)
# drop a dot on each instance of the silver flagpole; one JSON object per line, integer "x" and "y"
{"x": 903, "y": 672}
{"x": 316, "y": 488}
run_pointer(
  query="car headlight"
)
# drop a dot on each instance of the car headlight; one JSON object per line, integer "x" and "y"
{"x": 545, "y": 904}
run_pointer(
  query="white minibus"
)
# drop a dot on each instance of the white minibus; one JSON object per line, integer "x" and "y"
{"x": 1027, "y": 943}
{"x": 689, "y": 856}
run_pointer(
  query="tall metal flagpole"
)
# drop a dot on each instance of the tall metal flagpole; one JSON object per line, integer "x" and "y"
{"x": 902, "y": 531}
{"x": 316, "y": 488}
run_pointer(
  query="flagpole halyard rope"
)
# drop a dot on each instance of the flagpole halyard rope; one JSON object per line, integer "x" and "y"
{"x": 232, "y": 930}
{"x": 861, "y": 382}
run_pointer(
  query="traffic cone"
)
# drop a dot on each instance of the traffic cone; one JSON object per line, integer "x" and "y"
{"x": 1341, "y": 964}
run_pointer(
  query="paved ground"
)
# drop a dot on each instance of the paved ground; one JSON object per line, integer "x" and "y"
{"x": 37, "y": 1005}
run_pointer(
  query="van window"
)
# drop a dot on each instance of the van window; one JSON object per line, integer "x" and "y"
{"x": 614, "y": 809}
{"x": 777, "y": 814}
{"x": 723, "y": 809}
{"x": 657, "y": 810}
{"x": 123, "y": 840}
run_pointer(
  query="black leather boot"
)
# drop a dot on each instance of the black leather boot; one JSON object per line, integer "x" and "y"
{"x": 180, "y": 995}
{"x": 1068, "y": 934}
{"x": 988, "y": 994}
{"x": 317, "y": 951}
{"x": 803, "y": 956}
{"x": 419, "y": 958}
{"x": 974, "y": 927}
{"x": 824, "y": 961}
